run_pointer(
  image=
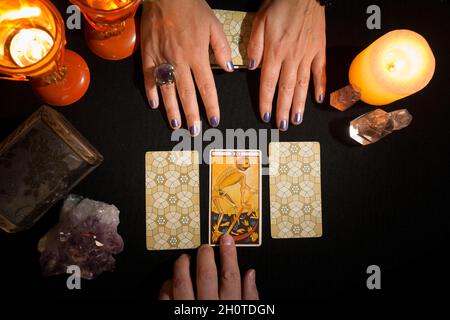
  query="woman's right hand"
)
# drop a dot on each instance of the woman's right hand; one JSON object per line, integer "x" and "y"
{"x": 179, "y": 32}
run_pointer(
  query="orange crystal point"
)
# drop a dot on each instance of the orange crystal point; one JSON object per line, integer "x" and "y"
{"x": 345, "y": 97}
{"x": 113, "y": 47}
{"x": 71, "y": 88}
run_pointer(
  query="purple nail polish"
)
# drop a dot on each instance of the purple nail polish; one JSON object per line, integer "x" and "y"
{"x": 298, "y": 118}
{"x": 266, "y": 117}
{"x": 283, "y": 125}
{"x": 153, "y": 104}
{"x": 321, "y": 98}
{"x": 193, "y": 130}
{"x": 252, "y": 64}
{"x": 230, "y": 66}
{"x": 174, "y": 123}
{"x": 214, "y": 121}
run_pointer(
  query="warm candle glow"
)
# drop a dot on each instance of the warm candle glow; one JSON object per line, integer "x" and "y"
{"x": 27, "y": 34}
{"x": 395, "y": 66}
{"x": 29, "y": 46}
{"x": 32, "y": 40}
{"x": 107, "y": 4}
{"x": 22, "y": 13}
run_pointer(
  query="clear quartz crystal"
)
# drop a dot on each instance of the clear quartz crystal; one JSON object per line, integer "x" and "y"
{"x": 375, "y": 125}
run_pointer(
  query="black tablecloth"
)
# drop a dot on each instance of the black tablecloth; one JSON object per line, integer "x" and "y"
{"x": 385, "y": 204}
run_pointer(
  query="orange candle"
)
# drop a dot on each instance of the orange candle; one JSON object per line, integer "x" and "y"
{"x": 398, "y": 64}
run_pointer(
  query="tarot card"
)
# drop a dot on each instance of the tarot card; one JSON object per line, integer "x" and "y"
{"x": 172, "y": 200}
{"x": 237, "y": 26}
{"x": 295, "y": 190}
{"x": 235, "y": 196}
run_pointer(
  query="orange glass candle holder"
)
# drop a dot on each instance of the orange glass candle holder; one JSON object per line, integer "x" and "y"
{"x": 111, "y": 30}
{"x": 398, "y": 64}
{"x": 32, "y": 41}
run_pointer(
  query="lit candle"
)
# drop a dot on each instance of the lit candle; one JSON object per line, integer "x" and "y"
{"x": 398, "y": 64}
{"x": 29, "y": 46}
{"x": 111, "y": 28}
{"x": 32, "y": 41}
{"x": 107, "y": 4}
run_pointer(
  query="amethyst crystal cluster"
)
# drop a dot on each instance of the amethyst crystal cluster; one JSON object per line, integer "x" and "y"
{"x": 85, "y": 236}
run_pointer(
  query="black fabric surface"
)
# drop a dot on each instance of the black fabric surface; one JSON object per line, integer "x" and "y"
{"x": 385, "y": 204}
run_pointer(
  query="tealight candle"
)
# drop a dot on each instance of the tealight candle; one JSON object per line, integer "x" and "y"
{"x": 32, "y": 41}
{"x": 398, "y": 64}
{"x": 29, "y": 46}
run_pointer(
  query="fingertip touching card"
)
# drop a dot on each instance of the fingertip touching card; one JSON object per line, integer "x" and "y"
{"x": 172, "y": 200}
{"x": 295, "y": 190}
{"x": 235, "y": 196}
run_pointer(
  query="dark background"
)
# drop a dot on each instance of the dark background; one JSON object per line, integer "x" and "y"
{"x": 384, "y": 204}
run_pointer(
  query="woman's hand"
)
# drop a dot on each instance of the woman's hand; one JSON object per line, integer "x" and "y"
{"x": 211, "y": 285}
{"x": 179, "y": 32}
{"x": 289, "y": 37}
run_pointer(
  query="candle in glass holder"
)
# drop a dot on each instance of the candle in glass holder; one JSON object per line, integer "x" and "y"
{"x": 32, "y": 41}
{"x": 397, "y": 65}
{"x": 111, "y": 31}
{"x": 107, "y": 4}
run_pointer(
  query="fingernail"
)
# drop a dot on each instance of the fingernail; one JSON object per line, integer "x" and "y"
{"x": 252, "y": 64}
{"x": 252, "y": 275}
{"x": 214, "y": 121}
{"x": 321, "y": 98}
{"x": 226, "y": 240}
{"x": 230, "y": 66}
{"x": 266, "y": 117}
{"x": 298, "y": 118}
{"x": 283, "y": 125}
{"x": 193, "y": 130}
{"x": 174, "y": 123}
{"x": 153, "y": 104}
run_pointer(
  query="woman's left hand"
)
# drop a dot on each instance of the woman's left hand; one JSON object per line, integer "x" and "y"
{"x": 290, "y": 36}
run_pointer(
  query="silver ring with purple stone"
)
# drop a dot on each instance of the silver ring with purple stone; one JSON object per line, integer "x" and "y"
{"x": 164, "y": 74}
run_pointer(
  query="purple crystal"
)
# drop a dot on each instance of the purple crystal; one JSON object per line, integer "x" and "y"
{"x": 164, "y": 74}
{"x": 86, "y": 236}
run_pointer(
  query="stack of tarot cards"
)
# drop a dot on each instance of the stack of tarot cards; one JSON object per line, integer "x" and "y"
{"x": 235, "y": 201}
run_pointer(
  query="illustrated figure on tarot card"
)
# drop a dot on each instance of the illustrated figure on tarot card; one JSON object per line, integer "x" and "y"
{"x": 235, "y": 198}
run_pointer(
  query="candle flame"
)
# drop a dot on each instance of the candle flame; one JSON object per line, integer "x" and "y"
{"x": 29, "y": 46}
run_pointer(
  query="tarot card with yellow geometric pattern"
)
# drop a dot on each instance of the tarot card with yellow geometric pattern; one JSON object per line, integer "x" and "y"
{"x": 172, "y": 200}
{"x": 295, "y": 190}
{"x": 237, "y": 26}
{"x": 235, "y": 196}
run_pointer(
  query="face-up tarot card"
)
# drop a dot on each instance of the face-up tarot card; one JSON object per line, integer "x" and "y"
{"x": 235, "y": 196}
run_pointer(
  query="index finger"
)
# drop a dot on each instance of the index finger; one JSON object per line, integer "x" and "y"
{"x": 230, "y": 277}
{"x": 206, "y": 274}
